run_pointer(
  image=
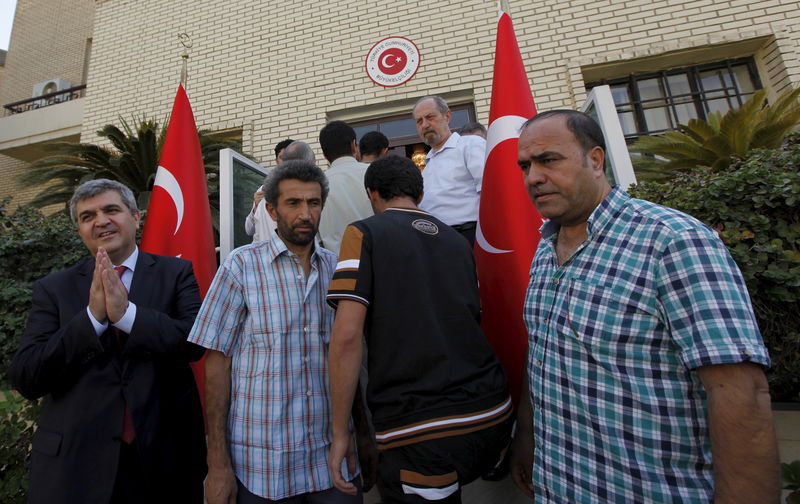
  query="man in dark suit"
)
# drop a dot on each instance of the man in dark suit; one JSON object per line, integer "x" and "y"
{"x": 105, "y": 344}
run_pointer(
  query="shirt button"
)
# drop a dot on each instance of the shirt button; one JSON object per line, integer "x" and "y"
{"x": 555, "y": 281}
{"x": 748, "y": 352}
{"x": 539, "y": 363}
{"x": 547, "y": 321}
{"x": 305, "y": 329}
{"x": 305, "y": 358}
{"x": 308, "y": 393}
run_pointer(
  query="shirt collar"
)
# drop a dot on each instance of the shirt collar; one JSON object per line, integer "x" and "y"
{"x": 342, "y": 160}
{"x": 130, "y": 262}
{"x": 449, "y": 144}
{"x": 599, "y": 218}
{"x": 275, "y": 247}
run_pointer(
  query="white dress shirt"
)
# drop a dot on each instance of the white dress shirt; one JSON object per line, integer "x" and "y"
{"x": 347, "y": 200}
{"x": 453, "y": 177}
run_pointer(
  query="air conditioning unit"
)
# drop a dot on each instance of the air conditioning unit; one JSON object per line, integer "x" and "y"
{"x": 50, "y": 86}
{"x": 47, "y": 87}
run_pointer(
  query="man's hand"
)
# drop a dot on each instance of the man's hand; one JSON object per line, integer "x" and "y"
{"x": 116, "y": 296}
{"x": 220, "y": 485}
{"x": 342, "y": 446}
{"x": 520, "y": 461}
{"x": 257, "y": 197}
{"x": 97, "y": 294}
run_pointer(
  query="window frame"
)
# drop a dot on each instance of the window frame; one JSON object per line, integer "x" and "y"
{"x": 697, "y": 93}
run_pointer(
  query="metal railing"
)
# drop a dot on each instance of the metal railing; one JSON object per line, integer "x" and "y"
{"x": 45, "y": 100}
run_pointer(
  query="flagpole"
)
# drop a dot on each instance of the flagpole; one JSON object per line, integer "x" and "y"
{"x": 504, "y": 7}
{"x": 186, "y": 42}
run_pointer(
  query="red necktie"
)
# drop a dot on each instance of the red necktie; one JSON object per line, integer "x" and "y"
{"x": 128, "y": 433}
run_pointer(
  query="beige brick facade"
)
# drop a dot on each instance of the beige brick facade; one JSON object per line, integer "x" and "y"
{"x": 275, "y": 72}
{"x": 48, "y": 40}
{"x": 278, "y": 75}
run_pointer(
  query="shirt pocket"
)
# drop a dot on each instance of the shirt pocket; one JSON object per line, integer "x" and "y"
{"x": 607, "y": 314}
{"x": 259, "y": 350}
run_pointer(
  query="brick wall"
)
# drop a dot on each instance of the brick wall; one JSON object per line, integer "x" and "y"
{"x": 48, "y": 40}
{"x": 281, "y": 73}
{"x": 10, "y": 169}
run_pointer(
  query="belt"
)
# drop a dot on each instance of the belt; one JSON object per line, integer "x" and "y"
{"x": 466, "y": 226}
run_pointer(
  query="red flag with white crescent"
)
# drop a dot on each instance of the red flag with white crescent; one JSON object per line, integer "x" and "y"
{"x": 179, "y": 217}
{"x": 508, "y": 224}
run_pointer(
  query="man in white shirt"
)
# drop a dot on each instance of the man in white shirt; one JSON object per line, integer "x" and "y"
{"x": 258, "y": 223}
{"x": 347, "y": 201}
{"x": 453, "y": 167}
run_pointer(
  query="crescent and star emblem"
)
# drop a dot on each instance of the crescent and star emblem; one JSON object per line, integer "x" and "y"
{"x": 169, "y": 183}
{"x": 502, "y": 129}
{"x": 386, "y": 64}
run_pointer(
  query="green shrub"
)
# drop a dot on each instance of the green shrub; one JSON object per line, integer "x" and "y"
{"x": 17, "y": 416}
{"x": 755, "y": 206}
{"x": 31, "y": 247}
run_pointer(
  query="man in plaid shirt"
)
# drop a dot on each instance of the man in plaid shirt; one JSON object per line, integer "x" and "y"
{"x": 267, "y": 328}
{"x": 645, "y": 379}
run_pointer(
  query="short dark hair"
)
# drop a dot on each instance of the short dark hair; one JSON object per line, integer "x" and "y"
{"x": 394, "y": 176}
{"x": 282, "y": 145}
{"x": 373, "y": 142}
{"x": 472, "y": 127}
{"x": 336, "y": 140}
{"x": 296, "y": 170}
{"x": 95, "y": 187}
{"x": 583, "y": 127}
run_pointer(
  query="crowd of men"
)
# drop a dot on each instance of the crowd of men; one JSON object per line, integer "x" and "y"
{"x": 344, "y": 347}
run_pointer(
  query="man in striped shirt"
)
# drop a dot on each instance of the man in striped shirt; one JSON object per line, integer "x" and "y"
{"x": 267, "y": 327}
{"x": 406, "y": 283}
{"x": 645, "y": 380}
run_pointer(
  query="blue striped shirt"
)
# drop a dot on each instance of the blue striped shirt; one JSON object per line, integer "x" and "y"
{"x": 615, "y": 334}
{"x": 275, "y": 325}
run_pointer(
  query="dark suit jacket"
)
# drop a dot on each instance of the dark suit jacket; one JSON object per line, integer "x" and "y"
{"x": 86, "y": 382}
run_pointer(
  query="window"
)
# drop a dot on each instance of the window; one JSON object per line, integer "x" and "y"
{"x": 653, "y": 103}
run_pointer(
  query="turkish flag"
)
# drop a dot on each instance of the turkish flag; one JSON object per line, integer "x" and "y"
{"x": 179, "y": 217}
{"x": 508, "y": 224}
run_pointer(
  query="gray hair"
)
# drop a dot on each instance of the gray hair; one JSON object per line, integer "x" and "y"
{"x": 92, "y": 188}
{"x": 297, "y": 170}
{"x": 300, "y": 151}
{"x": 438, "y": 100}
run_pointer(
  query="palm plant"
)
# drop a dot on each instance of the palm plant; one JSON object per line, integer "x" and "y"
{"x": 713, "y": 144}
{"x": 132, "y": 160}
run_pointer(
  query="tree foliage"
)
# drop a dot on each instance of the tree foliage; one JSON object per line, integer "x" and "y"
{"x": 132, "y": 159}
{"x": 754, "y": 204}
{"x": 31, "y": 246}
{"x": 713, "y": 144}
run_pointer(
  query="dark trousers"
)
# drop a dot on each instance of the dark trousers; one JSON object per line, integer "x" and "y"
{"x": 467, "y": 230}
{"x": 129, "y": 486}
{"x": 435, "y": 470}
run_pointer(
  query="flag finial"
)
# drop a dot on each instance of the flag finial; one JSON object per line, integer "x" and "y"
{"x": 186, "y": 42}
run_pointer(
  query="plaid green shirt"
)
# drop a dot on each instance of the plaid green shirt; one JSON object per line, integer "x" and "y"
{"x": 615, "y": 334}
